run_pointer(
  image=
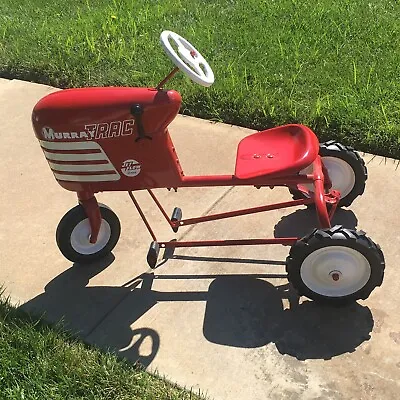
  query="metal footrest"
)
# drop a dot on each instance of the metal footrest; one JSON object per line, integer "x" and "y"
{"x": 152, "y": 254}
{"x": 176, "y": 216}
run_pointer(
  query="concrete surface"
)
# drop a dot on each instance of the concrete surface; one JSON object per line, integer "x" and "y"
{"x": 222, "y": 320}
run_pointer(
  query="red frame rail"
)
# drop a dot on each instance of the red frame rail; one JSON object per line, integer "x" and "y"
{"x": 318, "y": 197}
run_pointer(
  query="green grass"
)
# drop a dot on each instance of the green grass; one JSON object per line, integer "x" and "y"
{"x": 331, "y": 64}
{"x": 41, "y": 362}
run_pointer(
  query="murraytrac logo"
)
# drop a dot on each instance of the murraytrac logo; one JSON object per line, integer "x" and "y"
{"x": 103, "y": 130}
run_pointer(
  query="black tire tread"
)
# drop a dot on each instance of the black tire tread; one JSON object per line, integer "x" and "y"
{"x": 71, "y": 219}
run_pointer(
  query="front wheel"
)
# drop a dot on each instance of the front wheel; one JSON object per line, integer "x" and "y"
{"x": 335, "y": 266}
{"x": 73, "y": 235}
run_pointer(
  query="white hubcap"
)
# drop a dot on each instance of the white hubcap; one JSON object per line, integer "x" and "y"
{"x": 340, "y": 173}
{"x": 80, "y": 237}
{"x": 335, "y": 271}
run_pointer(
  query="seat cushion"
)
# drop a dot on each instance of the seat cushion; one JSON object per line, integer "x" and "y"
{"x": 280, "y": 151}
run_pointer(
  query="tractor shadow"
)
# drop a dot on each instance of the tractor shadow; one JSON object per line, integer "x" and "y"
{"x": 70, "y": 303}
{"x": 244, "y": 311}
{"x": 304, "y": 221}
{"x": 248, "y": 313}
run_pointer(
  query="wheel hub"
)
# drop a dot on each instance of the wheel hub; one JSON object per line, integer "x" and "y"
{"x": 341, "y": 174}
{"x": 80, "y": 237}
{"x": 335, "y": 271}
{"x": 335, "y": 275}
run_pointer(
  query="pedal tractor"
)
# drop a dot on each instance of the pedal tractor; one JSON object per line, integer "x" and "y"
{"x": 116, "y": 139}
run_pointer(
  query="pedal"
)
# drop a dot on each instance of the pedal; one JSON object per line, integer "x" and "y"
{"x": 152, "y": 254}
{"x": 176, "y": 216}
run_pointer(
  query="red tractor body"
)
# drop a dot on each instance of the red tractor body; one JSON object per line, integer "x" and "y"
{"x": 98, "y": 139}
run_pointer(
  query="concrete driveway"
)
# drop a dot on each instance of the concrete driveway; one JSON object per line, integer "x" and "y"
{"x": 220, "y": 320}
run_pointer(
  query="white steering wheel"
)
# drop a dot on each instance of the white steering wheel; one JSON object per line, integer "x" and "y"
{"x": 189, "y": 60}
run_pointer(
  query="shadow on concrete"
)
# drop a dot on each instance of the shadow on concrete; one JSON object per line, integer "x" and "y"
{"x": 246, "y": 312}
{"x": 67, "y": 300}
{"x": 241, "y": 311}
{"x": 303, "y": 221}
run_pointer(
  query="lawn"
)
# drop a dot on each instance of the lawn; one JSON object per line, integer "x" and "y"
{"x": 330, "y": 64}
{"x": 42, "y": 362}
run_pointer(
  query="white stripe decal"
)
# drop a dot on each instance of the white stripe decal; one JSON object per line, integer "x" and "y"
{"x": 81, "y": 167}
{"x": 87, "y": 178}
{"x": 65, "y": 172}
{"x": 69, "y": 145}
{"x": 75, "y": 157}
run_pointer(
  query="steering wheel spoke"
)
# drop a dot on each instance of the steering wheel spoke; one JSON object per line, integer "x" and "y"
{"x": 187, "y": 58}
{"x": 199, "y": 70}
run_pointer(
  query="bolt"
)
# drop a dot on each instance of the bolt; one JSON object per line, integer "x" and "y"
{"x": 335, "y": 275}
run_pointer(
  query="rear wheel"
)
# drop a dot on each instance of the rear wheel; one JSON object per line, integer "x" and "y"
{"x": 73, "y": 235}
{"x": 346, "y": 170}
{"x": 335, "y": 265}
